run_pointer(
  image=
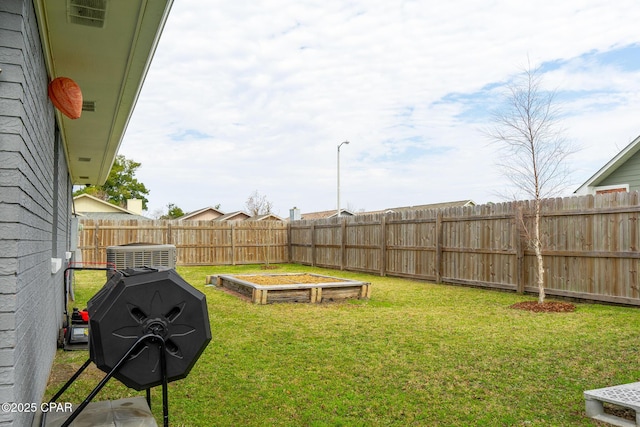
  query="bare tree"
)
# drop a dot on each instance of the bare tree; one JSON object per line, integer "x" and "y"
{"x": 533, "y": 150}
{"x": 258, "y": 204}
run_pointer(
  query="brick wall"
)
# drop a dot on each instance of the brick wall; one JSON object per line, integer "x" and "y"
{"x": 35, "y": 200}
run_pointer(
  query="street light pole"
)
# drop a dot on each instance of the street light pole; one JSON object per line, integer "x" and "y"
{"x": 345, "y": 142}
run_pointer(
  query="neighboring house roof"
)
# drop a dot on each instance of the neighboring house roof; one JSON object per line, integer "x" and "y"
{"x": 233, "y": 216}
{"x": 115, "y": 216}
{"x": 265, "y": 217}
{"x": 456, "y": 204}
{"x": 74, "y": 41}
{"x": 619, "y": 161}
{"x": 204, "y": 214}
{"x": 326, "y": 214}
{"x": 86, "y": 205}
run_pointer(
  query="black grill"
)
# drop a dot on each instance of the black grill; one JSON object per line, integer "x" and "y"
{"x": 147, "y": 327}
{"x": 138, "y": 302}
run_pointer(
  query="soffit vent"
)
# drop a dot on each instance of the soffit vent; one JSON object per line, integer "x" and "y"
{"x": 89, "y": 106}
{"x": 87, "y": 12}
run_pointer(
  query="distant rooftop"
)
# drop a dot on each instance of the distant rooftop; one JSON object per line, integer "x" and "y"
{"x": 443, "y": 205}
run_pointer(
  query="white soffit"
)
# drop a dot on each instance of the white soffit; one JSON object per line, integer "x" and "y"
{"x": 106, "y": 46}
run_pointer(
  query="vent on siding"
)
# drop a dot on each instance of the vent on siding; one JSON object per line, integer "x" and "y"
{"x": 121, "y": 257}
{"x": 88, "y": 106}
{"x": 87, "y": 12}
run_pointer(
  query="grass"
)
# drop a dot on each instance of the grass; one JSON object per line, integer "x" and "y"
{"x": 414, "y": 354}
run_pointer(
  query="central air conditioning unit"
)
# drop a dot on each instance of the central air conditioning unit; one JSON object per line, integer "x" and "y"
{"x": 140, "y": 255}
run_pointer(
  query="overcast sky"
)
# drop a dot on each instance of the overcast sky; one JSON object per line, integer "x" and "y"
{"x": 257, "y": 95}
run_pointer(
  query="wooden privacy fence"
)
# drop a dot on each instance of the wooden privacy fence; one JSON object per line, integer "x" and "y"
{"x": 590, "y": 246}
{"x": 197, "y": 242}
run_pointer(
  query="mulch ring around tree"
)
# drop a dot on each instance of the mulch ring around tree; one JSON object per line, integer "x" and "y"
{"x": 545, "y": 307}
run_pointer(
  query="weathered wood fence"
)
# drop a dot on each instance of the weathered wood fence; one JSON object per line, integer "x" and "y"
{"x": 197, "y": 242}
{"x": 590, "y": 244}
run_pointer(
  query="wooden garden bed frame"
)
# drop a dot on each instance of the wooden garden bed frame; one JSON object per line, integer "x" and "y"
{"x": 334, "y": 290}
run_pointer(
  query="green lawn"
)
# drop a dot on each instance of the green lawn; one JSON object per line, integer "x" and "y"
{"x": 415, "y": 354}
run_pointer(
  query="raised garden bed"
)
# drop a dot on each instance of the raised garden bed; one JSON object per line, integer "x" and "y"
{"x": 292, "y": 287}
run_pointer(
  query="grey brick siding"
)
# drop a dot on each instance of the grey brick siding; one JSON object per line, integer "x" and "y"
{"x": 31, "y": 297}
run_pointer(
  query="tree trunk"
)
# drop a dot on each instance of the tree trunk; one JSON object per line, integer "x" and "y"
{"x": 537, "y": 248}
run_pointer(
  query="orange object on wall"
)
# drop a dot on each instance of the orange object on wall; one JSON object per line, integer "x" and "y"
{"x": 66, "y": 96}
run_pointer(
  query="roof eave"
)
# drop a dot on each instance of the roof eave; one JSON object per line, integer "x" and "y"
{"x": 78, "y": 52}
{"x": 625, "y": 154}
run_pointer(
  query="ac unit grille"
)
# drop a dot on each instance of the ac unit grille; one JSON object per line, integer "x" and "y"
{"x": 121, "y": 257}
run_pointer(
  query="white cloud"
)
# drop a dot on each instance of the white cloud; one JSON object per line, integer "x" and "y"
{"x": 257, "y": 95}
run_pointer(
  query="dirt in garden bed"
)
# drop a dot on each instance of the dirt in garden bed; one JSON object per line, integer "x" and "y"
{"x": 618, "y": 411}
{"x": 545, "y": 307}
{"x": 286, "y": 279}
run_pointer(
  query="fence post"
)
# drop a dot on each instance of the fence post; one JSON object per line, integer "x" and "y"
{"x": 313, "y": 245}
{"x": 96, "y": 242}
{"x": 383, "y": 245}
{"x": 519, "y": 242}
{"x": 343, "y": 243}
{"x": 289, "y": 245}
{"x": 439, "y": 247}
{"x": 233, "y": 243}
{"x": 633, "y": 238}
{"x": 269, "y": 237}
{"x": 169, "y": 237}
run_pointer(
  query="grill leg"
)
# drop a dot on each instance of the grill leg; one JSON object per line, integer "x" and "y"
{"x": 64, "y": 388}
{"x": 111, "y": 373}
{"x": 165, "y": 392}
